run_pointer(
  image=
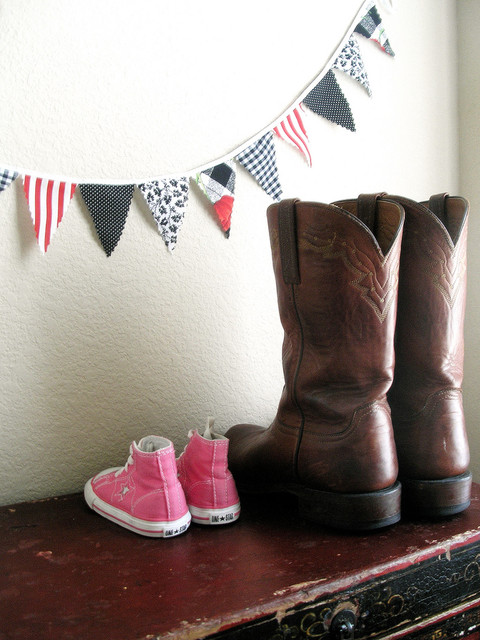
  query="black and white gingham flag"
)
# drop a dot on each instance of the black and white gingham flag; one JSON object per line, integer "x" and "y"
{"x": 260, "y": 160}
{"x": 6, "y": 178}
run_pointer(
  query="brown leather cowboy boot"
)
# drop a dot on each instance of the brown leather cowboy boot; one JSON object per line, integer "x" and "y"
{"x": 426, "y": 396}
{"x": 331, "y": 442}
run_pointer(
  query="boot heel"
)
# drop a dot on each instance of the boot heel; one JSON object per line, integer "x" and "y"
{"x": 353, "y": 511}
{"x": 437, "y": 498}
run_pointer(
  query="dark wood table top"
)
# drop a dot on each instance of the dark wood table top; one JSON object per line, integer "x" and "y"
{"x": 65, "y": 572}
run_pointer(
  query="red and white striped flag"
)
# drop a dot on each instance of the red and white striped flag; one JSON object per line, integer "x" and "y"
{"x": 292, "y": 130}
{"x": 48, "y": 200}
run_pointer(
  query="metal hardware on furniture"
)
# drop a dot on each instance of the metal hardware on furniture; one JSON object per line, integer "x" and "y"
{"x": 343, "y": 625}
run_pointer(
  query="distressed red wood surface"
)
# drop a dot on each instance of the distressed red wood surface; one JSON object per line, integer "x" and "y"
{"x": 68, "y": 573}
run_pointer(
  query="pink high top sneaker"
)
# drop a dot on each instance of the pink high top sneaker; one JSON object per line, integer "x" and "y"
{"x": 145, "y": 496}
{"x": 208, "y": 484}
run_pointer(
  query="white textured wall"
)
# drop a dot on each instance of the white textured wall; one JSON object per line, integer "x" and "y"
{"x": 468, "y": 12}
{"x": 98, "y": 351}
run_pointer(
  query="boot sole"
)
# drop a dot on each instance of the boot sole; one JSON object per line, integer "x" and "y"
{"x": 351, "y": 511}
{"x": 437, "y": 498}
{"x": 348, "y": 511}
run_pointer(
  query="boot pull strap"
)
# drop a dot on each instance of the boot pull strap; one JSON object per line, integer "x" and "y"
{"x": 438, "y": 206}
{"x": 287, "y": 238}
{"x": 367, "y": 207}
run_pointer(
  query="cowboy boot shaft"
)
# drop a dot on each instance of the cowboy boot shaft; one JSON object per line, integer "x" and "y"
{"x": 338, "y": 358}
{"x": 337, "y": 293}
{"x": 432, "y": 295}
{"x": 426, "y": 397}
{"x": 339, "y": 320}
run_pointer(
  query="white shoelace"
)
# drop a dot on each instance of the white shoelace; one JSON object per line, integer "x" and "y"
{"x": 127, "y": 464}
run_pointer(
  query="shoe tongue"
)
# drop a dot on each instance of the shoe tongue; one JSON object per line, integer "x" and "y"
{"x": 209, "y": 433}
{"x": 153, "y": 443}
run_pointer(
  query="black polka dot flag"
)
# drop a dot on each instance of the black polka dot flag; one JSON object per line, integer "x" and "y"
{"x": 327, "y": 99}
{"x": 108, "y": 206}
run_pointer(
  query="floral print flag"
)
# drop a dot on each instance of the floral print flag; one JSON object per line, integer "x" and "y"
{"x": 167, "y": 200}
{"x": 350, "y": 62}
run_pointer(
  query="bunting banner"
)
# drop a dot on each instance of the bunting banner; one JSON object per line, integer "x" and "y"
{"x": 327, "y": 100}
{"x": 167, "y": 200}
{"x": 293, "y": 130}
{"x": 371, "y": 27}
{"x": 47, "y": 201}
{"x": 6, "y": 178}
{"x": 167, "y": 197}
{"x": 350, "y": 62}
{"x": 108, "y": 206}
{"x": 218, "y": 184}
{"x": 259, "y": 159}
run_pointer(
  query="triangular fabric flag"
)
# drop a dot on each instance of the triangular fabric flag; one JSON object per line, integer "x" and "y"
{"x": 350, "y": 61}
{"x": 260, "y": 160}
{"x": 291, "y": 129}
{"x": 371, "y": 27}
{"x": 108, "y": 206}
{"x": 218, "y": 184}
{"x": 6, "y": 178}
{"x": 167, "y": 200}
{"x": 47, "y": 200}
{"x": 327, "y": 99}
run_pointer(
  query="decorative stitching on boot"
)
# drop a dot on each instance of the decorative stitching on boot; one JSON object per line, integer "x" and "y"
{"x": 445, "y": 274}
{"x": 379, "y": 297}
{"x": 356, "y": 417}
{"x": 431, "y": 402}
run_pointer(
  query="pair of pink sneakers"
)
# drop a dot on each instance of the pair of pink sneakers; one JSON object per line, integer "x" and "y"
{"x": 158, "y": 496}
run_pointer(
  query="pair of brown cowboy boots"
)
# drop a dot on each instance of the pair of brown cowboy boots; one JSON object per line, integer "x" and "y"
{"x": 371, "y": 294}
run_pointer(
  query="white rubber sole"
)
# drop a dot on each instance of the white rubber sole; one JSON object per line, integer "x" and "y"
{"x": 152, "y": 529}
{"x": 215, "y": 516}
